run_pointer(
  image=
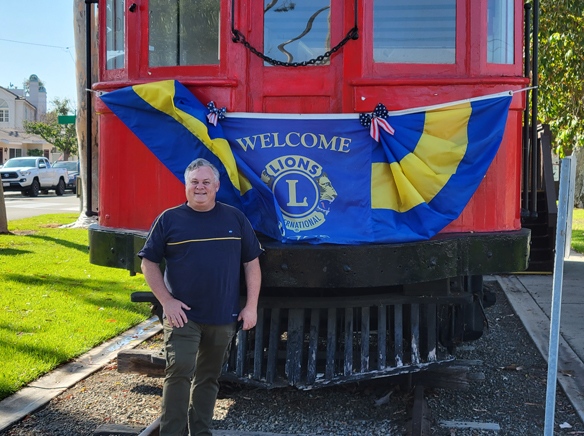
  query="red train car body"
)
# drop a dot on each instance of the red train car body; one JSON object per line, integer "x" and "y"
{"x": 385, "y": 308}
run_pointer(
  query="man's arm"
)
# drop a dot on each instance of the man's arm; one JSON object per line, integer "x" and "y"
{"x": 253, "y": 281}
{"x": 173, "y": 308}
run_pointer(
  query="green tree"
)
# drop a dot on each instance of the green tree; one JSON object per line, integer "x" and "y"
{"x": 561, "y": 72}
{"x": 62, "y": 136}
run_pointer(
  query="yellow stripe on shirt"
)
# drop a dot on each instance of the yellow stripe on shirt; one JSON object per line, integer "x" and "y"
{"x": 234, "y": 238}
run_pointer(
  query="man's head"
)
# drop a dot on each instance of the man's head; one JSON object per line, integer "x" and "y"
{"x": 201, "y": 185}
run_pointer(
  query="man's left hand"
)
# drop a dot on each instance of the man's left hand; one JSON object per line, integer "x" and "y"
{"x": 249, "y": 317}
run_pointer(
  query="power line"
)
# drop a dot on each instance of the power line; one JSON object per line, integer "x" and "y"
{"x": 33, "y": 43}
{"x": 67, "y": 49}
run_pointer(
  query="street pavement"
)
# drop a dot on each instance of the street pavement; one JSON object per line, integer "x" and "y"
{"x": 19, "y": 206}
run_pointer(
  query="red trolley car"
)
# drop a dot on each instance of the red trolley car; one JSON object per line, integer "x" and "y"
{"x": 329, "y": 313}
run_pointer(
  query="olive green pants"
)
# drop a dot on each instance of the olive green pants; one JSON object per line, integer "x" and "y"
{"x": 195, "y": 354}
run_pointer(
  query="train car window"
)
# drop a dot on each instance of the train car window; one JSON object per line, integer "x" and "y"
{"x": 296, "y": 31}
{"x": 500, "y": 32}
{"x": 183, "y": 32}
{"x": 414, "y": 31}
{"x": 115, "y": 34}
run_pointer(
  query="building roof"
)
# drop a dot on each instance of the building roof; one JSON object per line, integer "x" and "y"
{"x": 16, "y": 137}
{"x": 17, "y": 96}
{"x": 11, "y": 91}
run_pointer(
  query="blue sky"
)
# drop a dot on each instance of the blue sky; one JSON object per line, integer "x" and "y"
{"x": 36, "y": 37}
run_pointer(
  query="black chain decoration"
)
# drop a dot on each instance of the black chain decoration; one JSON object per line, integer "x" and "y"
{"x": 238, "y": 37}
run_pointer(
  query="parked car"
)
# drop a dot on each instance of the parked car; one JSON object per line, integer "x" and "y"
{"x": 31, "y": 175}
{"x": 73, "y": 171}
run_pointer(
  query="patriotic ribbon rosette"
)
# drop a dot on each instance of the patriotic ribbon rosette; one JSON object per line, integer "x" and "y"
{"x": 376, "y": 120}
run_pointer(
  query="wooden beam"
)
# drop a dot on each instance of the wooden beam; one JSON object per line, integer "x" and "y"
{"x": 141, "y": 362}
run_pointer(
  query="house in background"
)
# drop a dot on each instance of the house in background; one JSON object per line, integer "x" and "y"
{"x": 16, "y": 107}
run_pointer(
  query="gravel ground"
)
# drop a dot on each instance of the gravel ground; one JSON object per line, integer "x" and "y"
{"x": 512, "y": 396}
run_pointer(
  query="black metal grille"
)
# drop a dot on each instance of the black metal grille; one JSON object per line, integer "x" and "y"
{"x": 314, "y": 347}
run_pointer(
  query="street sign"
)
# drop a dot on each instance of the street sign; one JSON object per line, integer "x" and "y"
{"x": 66, "y": 119}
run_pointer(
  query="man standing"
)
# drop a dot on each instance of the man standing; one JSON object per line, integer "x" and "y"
{"x": 204, "y": 243}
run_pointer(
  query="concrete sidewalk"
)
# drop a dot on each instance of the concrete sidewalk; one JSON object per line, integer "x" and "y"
{"x": 531, "y": 298}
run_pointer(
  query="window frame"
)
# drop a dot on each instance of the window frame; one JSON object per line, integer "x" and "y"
{"x": 211, "y": 70}
{"x": 516, "y": 68}
{"x": 117, "y": 73}
{"x": 4, "y": 111}
{"x": 471, "y": 47}
{"x": 381, "y": 69}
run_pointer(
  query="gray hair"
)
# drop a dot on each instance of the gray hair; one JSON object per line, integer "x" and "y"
{"x": 198, "y": 163}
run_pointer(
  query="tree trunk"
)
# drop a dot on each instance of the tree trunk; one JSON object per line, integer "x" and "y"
{"x": 83, "y": 102}
{"x": 578, "y": 154}
{"x": 3, "y": 219}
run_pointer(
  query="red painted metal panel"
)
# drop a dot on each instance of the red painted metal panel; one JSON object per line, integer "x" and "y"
{"x": 495, "y": 205}
{"x": 135, "y": 187}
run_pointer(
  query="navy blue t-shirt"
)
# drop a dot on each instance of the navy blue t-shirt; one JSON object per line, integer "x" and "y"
{"x": 203, "y": 253}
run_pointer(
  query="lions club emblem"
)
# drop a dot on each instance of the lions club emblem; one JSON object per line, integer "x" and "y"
{"x": 303, "y": 190}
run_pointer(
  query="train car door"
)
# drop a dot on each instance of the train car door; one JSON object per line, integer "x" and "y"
{"x": 296, "y": 32}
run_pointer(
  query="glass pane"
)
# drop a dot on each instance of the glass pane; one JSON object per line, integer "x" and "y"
{"x": 184, "y": 32}
{"x": 500, "y": 38}
{"x": 115, "y": 34}
{"x": 414, "y": 31}
{"x": 296, "y": 31}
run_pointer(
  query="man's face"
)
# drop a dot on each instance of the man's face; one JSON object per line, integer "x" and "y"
{"x": 201, "y": 189}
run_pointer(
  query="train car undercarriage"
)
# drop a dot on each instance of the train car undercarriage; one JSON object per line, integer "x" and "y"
{"x": 337, "y": 314}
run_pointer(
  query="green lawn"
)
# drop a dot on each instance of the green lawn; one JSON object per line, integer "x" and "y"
{"x": 578, "y": 230}
{"x": 54, "y": 304}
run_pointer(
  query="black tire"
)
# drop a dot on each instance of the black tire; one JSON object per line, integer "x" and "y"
{"x": 35, "y": 187}
{"x": 60, "y": 189}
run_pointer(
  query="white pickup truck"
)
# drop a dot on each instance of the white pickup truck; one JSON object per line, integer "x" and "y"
{"x": 31, "y": 175}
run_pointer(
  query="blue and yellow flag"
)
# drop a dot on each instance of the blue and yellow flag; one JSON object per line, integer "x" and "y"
{"x": 327, "y": 178}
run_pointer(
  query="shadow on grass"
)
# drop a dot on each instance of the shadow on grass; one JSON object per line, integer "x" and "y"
{"x": 10, "y": 328}
{"x": 93, "y": 291}
{"x": 12, "y": 252}
{"x": 51, "y": 356}
{"x": 63, "y": 242}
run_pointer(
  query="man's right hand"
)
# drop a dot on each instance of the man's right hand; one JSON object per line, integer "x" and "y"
{"x": 174, "y": 310}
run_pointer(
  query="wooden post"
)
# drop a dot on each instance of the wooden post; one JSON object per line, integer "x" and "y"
{"x": 83, "y": 105}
